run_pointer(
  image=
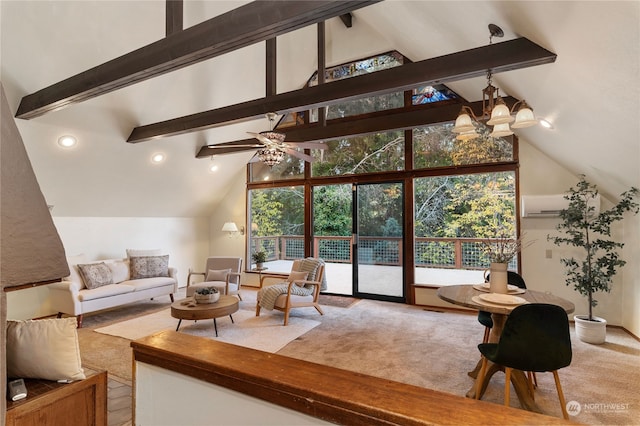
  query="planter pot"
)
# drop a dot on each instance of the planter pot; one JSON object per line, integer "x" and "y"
{"x": 498, "y": 278}
{"x": 590, "y": 331}
{"x": 206, "y": 298}
{"x": 259, "y": 265}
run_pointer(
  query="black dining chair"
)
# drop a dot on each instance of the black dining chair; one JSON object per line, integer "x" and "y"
{"x": 484, "y": 317}
{"x": 535, "y": 338}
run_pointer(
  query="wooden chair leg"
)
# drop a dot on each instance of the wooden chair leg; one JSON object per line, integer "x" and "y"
{"x": 480, "y": 377}
{"x": 239, "y": 297}
{"x": 286, "y": 317}
{"x": 315, "y": 305}
{"x": 507, "y": 386}
{"x": 79, "y": 320}
{"x": 485, "y": 338}
{"x": 257, "y": 309}
{"x": 171, "y": 297}
{"x": 530, "y": 379}
{"x": 563, "y": 404}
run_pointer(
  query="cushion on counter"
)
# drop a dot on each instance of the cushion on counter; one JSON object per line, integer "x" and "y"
{"x": 44, "y": 349}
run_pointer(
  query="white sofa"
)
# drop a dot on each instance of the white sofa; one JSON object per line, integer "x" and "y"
{"x": 71, "y": 296}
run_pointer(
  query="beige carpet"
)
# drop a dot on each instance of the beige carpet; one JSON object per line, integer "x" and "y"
{"x": 265, "y": 333}
{"x": 431, "y": 349}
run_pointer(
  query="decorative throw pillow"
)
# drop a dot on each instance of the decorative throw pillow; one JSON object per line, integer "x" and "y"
{"x": 149, "y": 266}
{"x": 296, "y": 276}
{"x": 95, "y": 275}
{"x": 44, "y": 349}
{"x": 217, "y": 275}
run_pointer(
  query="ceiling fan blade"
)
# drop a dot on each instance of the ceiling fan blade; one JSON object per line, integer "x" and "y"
{"x": 261, "y": 138}
{"x": 309, "y": 145}
{"x": 253, "y": 146}
{"x": 300, "y": 155}
{"x": 248, "y": 141}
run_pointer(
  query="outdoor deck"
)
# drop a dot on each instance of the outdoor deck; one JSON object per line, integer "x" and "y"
{"x": 381, "y": 279}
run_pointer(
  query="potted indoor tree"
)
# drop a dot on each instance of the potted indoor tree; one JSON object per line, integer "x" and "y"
{"x": 599, "y": 261}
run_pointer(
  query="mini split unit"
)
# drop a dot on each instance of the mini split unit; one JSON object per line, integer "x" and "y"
{"x": 550, "y": 205}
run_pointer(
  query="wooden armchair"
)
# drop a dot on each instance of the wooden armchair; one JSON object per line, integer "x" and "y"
{"x": 220, "y": 272}
{"x": 293, "y": 292}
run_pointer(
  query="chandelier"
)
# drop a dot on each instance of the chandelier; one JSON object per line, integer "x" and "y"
{"x": 494, "y": 111}
{"x": 270, "y": 156}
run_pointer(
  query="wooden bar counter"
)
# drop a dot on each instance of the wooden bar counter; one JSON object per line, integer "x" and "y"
{"x": 327, "y": 393}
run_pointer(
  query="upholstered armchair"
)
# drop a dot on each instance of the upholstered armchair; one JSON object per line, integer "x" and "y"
{"x": 220, "y": 272}
{"x": 300, "y": 289}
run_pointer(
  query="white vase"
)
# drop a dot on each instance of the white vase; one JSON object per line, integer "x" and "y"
{"x": 590, "y": 331}
{"x": 498, "y": 278}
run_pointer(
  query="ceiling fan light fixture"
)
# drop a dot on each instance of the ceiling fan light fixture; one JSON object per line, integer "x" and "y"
{"x": 270, "y": 156}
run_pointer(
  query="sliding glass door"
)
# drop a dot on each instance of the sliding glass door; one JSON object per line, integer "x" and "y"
{"x": 377, "y": 241}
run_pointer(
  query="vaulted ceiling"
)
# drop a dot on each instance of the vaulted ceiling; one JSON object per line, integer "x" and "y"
{"x": 591, "y": 93}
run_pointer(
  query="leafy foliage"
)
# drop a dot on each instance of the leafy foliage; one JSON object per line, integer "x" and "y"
{"x": 585, "y": 230}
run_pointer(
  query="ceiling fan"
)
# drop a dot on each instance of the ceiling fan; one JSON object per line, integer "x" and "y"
{"x": 270, "y": 146}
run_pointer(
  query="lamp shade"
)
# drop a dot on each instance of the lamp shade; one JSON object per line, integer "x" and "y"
{"x": 463, "y": 124}
{"x": 500, "y": 115}
{"x": 500, "y": 130}
{"x": 524, "y": 118}
{"x": 229, "y": 227}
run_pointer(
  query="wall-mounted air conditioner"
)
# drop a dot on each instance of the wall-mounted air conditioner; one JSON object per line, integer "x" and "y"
{"x": 549, "y": 205}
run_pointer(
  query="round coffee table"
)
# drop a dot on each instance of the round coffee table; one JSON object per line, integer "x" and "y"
{"x": 184, "y": 310}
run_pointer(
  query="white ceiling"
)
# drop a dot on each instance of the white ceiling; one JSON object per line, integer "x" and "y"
{"x": 591, "y": 93}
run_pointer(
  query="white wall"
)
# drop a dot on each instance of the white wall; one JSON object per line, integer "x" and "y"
{"x": 185, "y": 239}
{"x": 158, "y": 392}
{"x": 540, "y": 175}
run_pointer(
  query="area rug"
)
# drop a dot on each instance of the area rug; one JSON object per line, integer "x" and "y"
{"x": 265, "y": 333}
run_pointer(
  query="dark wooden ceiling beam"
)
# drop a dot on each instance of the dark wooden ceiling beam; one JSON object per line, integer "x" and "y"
{"x": 252, "y": 23}
{"x": 499, "y": 57}
{"x": 399, "y": 119}
{"x": 174, "y": 12}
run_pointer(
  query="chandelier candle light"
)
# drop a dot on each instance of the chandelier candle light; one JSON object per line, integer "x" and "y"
{"x": 494, "y": 111}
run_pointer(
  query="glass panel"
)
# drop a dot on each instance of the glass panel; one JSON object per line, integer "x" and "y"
{"x": 379, "y": 152}
{"x": 437, "y": 146}
{"x": 289, "y": 168}
{"x": 431, "y": 94}
{"x": 380, "y": 222}
{"x": 363, "y": 105}
{"x": 452, "y": 215}
{"x": 277, "y": 225}
{"x": 332, "y": 228}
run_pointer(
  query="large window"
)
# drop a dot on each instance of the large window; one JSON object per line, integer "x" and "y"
{"x": 453, "y": 214}
{"x": 462, "y": 192}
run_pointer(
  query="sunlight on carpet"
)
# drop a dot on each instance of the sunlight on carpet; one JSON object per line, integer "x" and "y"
{"x": 265, "y": 333}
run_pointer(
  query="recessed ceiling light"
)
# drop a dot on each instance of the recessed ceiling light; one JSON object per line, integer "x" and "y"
{"x": 67, "y": 141}
{"x": 546, "y": 124}
{"x": 157, "y": 158}
{"x": 213, "y": 168}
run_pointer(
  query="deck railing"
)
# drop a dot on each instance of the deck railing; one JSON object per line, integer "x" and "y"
{"x": 449, "y": 253}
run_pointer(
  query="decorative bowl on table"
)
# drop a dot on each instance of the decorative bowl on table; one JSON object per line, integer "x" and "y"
{"x": 206, "y": 295}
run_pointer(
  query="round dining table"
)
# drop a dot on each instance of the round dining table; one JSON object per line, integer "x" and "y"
{"x": 468, "y": 295}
